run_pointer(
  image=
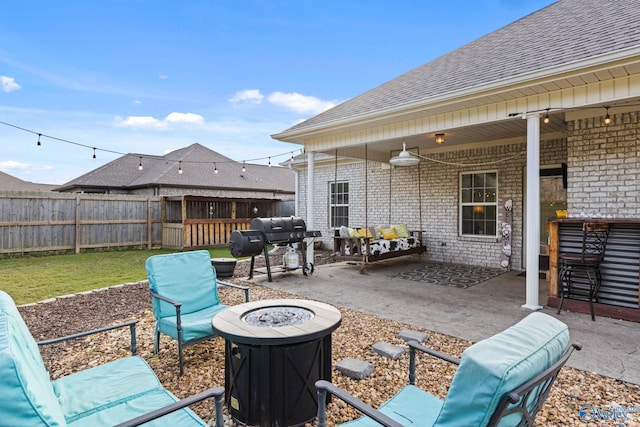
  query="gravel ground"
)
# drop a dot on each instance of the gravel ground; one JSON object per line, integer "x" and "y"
{"x": 204, "y": 363}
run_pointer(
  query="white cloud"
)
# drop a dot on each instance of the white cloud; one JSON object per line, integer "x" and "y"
{"x": 8, "y": 84}
{"x": 146, "y": 122}
{"x": 150, "y": 122}
{"x": 252, "y": 96}
{"x": 300, "y": 103}
{"x": 11, "y": 166}
{"x": 189, "y": 118}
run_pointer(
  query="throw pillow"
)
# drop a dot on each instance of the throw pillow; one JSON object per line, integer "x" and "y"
{"x": 389, "y": 233}
{"x": 402, "y": 230}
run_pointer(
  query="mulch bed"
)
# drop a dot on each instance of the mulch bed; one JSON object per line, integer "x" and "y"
{"x": 204, "y": 363}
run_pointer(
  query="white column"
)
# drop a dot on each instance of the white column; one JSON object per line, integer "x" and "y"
{"x": 533, "y": 211}
{"x": 310, "y": 204}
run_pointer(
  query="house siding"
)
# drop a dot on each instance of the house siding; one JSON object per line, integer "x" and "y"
{"x": 426, "y": 197}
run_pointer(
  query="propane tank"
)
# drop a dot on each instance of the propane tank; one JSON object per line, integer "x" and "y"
{"x": 290, "y": 259}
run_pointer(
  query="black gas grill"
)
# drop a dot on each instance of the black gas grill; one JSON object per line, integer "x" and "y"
{"x": 279, "y": 231}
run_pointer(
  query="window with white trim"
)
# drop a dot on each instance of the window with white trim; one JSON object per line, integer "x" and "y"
{"x": 338, "y": 204}
{"x": 479, "y": 203}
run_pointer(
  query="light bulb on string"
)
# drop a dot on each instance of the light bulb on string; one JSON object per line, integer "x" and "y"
{"x": 215, "y": 168}
{"x": 269, "y": 161}
{"x": 607, "y": 117}
{"x": 140, "y": 167}
{"x": 546, "y": 118}
{"x": 94, "y": 153}
{"x": 244, "y": 166}
{"x": 180, "y": 167}
{"x": 38, "y": 143}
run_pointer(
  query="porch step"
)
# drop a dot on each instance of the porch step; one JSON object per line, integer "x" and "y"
{"x": 354, "y": 368}
{"x": 388, "y": 350}
{"x": 409, "y": 335}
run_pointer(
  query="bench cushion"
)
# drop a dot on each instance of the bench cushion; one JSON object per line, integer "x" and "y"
{"x": 147, "y": 402}
{"x": 92, "y": 390}
{"x": 25, "y": 387}
{"x": 497, "y": 365}
{"x": 418, "y": 408}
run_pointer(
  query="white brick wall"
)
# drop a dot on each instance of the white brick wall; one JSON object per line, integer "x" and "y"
{"x": 603, "y": 166}
{"x": 393, "y": 195}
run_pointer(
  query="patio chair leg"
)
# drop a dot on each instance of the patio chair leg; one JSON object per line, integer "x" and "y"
{"x": 156, "y": 344}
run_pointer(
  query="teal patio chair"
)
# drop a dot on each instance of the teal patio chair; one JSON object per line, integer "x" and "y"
{"x": 500, "y": 381}
{"x": 184, "y": 297}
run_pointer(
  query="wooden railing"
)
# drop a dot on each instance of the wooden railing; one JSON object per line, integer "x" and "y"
{"x": 201, "y": 233}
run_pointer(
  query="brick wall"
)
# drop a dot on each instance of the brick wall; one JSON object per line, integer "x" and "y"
{"x": 427, "y": 197}
{"x": 603, "y": 167}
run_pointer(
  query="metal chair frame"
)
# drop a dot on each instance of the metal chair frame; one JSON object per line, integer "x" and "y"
{"x": 585, "y": 263}
{"x": 526, "y": 400}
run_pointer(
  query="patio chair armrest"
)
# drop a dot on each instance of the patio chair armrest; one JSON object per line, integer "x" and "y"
{"x": 233, "y": 285}
{"x": 323, "y": 387}
{"x": 215, "y": 392}
{"x": 132, "y": 328}
{"x": 415, "y": 345}
{"x": 173, "y": 302}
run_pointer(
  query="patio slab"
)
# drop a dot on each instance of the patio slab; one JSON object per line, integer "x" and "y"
{"x": 610, "y": 346}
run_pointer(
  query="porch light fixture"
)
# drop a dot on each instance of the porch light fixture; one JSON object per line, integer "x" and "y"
{"x": 404, "y": 158}
{"x": 439, "y": 138}
{"x": 607, "y": 117}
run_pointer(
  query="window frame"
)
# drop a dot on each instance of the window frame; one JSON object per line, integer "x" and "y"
{"x": 462, "y": 205}
{"x": 334, "y": 190}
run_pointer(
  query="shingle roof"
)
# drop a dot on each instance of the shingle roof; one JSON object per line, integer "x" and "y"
{"x": 561, "y": 33}
{"x": 197, "y": 164}
{"x": 11, "y": 183}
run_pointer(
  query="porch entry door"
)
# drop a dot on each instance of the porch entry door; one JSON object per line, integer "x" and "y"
{"x": 553, "y": 196}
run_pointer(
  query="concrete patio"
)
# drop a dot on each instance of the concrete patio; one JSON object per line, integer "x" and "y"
{"x": 610, "y": 346}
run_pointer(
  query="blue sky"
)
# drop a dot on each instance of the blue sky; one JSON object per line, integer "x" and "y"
{"x": 151, "y": 76}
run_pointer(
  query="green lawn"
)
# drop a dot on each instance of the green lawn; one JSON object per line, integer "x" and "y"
{"x": 32, "y": 278}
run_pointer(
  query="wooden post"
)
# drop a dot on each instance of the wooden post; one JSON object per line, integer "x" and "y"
{"x": 78, "y": 240}
{"x": 552, "y": 228}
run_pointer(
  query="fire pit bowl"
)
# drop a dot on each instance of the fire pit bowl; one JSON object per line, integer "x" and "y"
{"x": 275, "y": 351}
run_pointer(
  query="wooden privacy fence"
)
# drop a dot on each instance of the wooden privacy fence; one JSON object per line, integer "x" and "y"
{"x": 31, "y": 222}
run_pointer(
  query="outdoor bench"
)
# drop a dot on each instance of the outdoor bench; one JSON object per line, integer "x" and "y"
{"x": 376, "y": 243}
{"x": 124, "y": 392}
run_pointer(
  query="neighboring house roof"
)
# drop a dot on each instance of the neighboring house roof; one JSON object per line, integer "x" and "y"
{"x": 11, "y": 183}
{"x": 197, "y": 163}
{"x": 561, "y": 34}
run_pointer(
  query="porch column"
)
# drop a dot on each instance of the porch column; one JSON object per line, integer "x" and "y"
{"x": 310, "y": 204}
{"x": 533, "y": 211}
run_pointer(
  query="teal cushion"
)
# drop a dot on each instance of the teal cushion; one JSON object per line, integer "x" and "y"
{"x": 25, "y": 386}
{"x": 194, "y": 325}
{"x": 411, "y": 406}
{"x": 186, "y": 277}
{"x": 126, "y": 410}
{"x": 95, "y": 389}
{"x": 497, "y": 365}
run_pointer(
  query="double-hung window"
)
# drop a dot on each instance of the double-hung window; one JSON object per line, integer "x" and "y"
{"x": 338, "y": 204}
{"x": 479, "y": 203}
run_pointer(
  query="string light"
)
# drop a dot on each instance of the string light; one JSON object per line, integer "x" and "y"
{"x": 269, "y": 161}
{"x": 94, "y": 153}
{"x": 180, "y": 167}
{"x": 39, "y": 144}
{"x": 546, "y": 118}
{"x": 291, "y": 159}
{"x": 215, "y": 168}
{"x": 244, "y": 166}
{"x": 607, "y": 117}
{"x": 140, "y": 167}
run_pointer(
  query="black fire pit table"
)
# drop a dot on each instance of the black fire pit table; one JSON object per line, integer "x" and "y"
{"x": 275, "y": 351}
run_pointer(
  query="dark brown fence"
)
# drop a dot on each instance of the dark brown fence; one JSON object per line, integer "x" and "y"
{"x": 31, "y": 222}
